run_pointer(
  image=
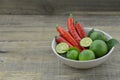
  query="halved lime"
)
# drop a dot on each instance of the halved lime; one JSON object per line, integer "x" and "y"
{"x": 62, "y": 47}
{"x": 86, "y": 42}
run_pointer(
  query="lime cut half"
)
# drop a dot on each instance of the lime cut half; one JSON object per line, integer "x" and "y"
{"x": 62, "y": 47}
{"x": 86, "y": 42}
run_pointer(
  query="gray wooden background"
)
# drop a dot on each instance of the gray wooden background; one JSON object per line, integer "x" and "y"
{"x": 56, "y": 6}
{"x": 26, "y": 32}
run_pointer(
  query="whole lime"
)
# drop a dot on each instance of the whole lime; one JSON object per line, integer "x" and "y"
{"x": 97, "y": 35}
{"x": 73, "y": 53}
{"x": 86, "y": 55}
{"x": 99, "y": 47}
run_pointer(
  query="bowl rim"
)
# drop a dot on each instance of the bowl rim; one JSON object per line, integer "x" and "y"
{"x": 87, "y": 60}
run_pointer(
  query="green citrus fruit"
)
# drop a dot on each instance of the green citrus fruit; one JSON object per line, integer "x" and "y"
{"x": 62, "y": 47}
{"x": 86, "y": 55}
{"x": 73, "y": 53}
{"x": 86, "y": 42}
{"x": 99, "y": 47}
{"x": 96, "y": 35}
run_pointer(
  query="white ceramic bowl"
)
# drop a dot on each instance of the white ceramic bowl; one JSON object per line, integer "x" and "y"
{"x": 83, "y": 64}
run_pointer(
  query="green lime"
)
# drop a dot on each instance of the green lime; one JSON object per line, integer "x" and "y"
{"x": 86, "y": 55}
{"x": 62, "y": 47}
{"x": 97, "y": 35}
{"x": 112, "y": 42}
{"x": 99, "y": 47}
{"x": 86, "y": 42}
{"x": 73, "y": 53}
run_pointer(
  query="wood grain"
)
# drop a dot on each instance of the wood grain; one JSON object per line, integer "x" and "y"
{"x": 26, "y": 54}
{"x": 56, "y": 6}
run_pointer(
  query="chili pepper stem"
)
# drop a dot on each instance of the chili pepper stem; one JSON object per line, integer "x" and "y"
{"x": 56, "y": 37}
{"x": 57, "y": 26}
{"x": 76, "y": 22}
{"x": 70, "y": 16}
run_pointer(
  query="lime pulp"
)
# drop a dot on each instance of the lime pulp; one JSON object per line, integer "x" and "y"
{"x": 62, "y": 47}
{"x": 86, "y": 42}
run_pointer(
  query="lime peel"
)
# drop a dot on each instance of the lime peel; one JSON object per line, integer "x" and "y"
{"x": 73, "y": 53}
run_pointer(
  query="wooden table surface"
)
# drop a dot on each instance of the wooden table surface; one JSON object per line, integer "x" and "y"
{"x": 26, "y": 54}
{"x": 56, "y": 6}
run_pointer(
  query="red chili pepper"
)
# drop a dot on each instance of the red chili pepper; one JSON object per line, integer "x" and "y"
{"x": 73, "y": 31}
{"x": 81, "y": 31}
{"x": 67, "y": 36}
{"x": 60, "y": 39}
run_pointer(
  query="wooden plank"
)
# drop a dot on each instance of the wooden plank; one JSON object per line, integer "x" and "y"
{"x": 56, "y": 6}
{"x": 26, "y": 54}
{"x": 19, "y": 75}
